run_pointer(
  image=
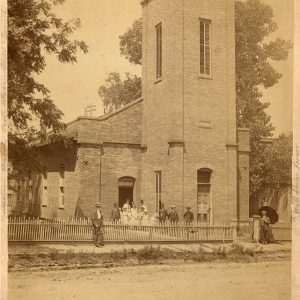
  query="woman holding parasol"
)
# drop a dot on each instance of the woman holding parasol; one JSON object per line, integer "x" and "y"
{"x": 265, "y": 234}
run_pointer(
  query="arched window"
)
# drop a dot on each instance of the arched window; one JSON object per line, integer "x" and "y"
{"x": 203, "y": 195}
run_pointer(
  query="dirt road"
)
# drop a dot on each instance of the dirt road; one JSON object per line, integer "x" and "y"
{"x": 259, "y": 281}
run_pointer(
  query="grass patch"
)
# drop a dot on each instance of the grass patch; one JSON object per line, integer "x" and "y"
{"x": 146, "y": 255}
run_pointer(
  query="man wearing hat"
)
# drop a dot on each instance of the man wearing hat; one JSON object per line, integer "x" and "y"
{"x": 173, "y": 216}
{"x": 188, "y": 216}
{"x": 115, "y": 213}
{"x": 97, "y": 223}
{"x": 163, "y": 214}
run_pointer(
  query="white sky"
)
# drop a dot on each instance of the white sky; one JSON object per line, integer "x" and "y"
{"x": 75, "y": 86}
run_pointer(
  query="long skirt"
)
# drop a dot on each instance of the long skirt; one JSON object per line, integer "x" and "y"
{"x": 265, "y": 234}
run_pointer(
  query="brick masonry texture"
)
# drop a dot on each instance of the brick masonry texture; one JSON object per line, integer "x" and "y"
{"x": 164, "y": 131}
{"x": 174, "y": 107}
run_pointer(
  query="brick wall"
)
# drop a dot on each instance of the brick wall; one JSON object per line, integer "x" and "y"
{"x": 183, "y": 107}
{"x": 119, "y": 161}
{"x": 122, "y": 126}
{"x": 110, "y": 145}
{"x": 53, "y": 162}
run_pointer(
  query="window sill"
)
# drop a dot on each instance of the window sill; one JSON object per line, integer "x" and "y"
{"x": 158, "y": 80}
{"x": 203, "y": 76}
{"x": 61, "y": 207}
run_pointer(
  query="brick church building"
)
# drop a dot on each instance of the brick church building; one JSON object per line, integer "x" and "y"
{"x": 178, "y": 145}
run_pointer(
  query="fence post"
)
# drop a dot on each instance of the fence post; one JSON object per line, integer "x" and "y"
{"x": 256, "y": 228}
{"x": 234, "y": 230}
{"x": 150, "y": 233}
{"x": 188, "y": 232}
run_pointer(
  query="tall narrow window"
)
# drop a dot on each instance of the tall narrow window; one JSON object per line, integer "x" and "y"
{"x": 61, "y": 200}
{"x": 205, "y": 47}
{"x": 158, "y": 50}
{"x": 157, "y": 190}
{"x": 203, "y": 195}
{"x": 44, "y": 188}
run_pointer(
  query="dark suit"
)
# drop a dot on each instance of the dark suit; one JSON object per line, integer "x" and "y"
{"x": 188, "y": 217}
{"x": 115, "y": 215}
{"x": 97, "y": 224}
{"x": 173, "y": 217}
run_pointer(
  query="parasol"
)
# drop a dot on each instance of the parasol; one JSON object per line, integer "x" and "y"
{"x": 271, "y": 213}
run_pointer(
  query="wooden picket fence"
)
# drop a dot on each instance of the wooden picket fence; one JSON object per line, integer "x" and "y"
{"x": 79, "y": 230}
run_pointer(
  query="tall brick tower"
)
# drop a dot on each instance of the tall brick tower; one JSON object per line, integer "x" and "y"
{"x": 190, "y": 151}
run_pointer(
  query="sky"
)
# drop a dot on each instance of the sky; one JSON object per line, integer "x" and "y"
{"x": 73, "y": 87}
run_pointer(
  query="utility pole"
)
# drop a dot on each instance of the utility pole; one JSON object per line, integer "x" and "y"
{"x": 89, "y": 110}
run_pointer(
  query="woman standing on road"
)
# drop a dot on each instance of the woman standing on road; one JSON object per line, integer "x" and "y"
{"x": 265, "y": 234}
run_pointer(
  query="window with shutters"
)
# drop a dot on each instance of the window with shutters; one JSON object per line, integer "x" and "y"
{"x": 203, "y": 195}
{"x": 157, "y": 190}
{"x": 158, "y": 28}
{"x": 205, "y": 48}
{"x": 61, "y": 200}
{"x": 44, "y": 188}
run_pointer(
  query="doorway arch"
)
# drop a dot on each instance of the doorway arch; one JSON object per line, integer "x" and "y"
{"x": 204, "y": 195}
{"x": 126, "y": 190}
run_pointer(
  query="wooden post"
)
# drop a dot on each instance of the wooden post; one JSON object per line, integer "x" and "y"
{"x": 234, "y": 228}
{"x": 256, "y": 228}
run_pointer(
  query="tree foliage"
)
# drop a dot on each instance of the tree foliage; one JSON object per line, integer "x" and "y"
{"x": 272, "y": 165}
{"x": 116, "y": 93}
{"x": 253, "y": 24}
{"x": 131, "y": 43}
{"x": 34, "y": 31}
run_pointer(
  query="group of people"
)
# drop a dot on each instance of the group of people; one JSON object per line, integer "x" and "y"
{"x": 173, "y": 217}
{"x": 130, "y": 214}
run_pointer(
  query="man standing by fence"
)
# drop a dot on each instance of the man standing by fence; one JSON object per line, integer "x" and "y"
{"x": 97, "y": 223}
{"x": 173, "y": 216}
{"x": 163, "y": 214}
{"x": 115, "y": 213}
{"x": 188, "y": 216}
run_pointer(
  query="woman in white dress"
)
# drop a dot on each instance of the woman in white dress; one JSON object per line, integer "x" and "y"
{"x": 125, "y": 216}
{"x": 127, "y": 206}
{"x": 134, "y": 215}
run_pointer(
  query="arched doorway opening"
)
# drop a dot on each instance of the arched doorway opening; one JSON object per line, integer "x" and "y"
{"x": 126, "y": 187}
{"x": 203, "y": 195}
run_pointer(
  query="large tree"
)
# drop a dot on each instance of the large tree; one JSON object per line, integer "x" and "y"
{"x": 254, "y": 72}
{"x": 272, "y": 166}
{"x": 33, "y": 32}
{"x": 131, "y": 43}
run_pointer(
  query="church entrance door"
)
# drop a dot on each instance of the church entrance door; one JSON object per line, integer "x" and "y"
{"x": 126, "y": 186}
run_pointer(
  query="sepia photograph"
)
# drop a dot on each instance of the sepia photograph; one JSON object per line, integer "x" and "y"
{"x": 149, "y": 149}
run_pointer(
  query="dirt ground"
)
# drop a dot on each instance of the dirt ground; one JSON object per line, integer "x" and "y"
{"x": 212, "y": 281}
